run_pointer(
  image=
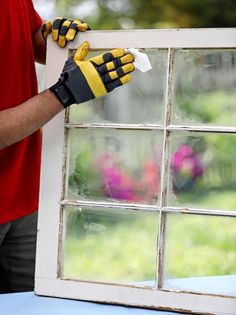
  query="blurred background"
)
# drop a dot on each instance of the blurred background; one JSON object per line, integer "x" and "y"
{"x": 128, "y": 14}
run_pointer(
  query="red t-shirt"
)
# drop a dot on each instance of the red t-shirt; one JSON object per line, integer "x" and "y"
{"x": 19, "y": 163}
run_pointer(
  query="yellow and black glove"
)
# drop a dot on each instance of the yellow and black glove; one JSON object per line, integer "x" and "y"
{"x": 46, "y": 29}
{"x": 63, "y": 30}
{"x": 82, "y": 80}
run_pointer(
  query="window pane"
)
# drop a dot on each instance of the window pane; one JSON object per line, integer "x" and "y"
{"x": 140, "y": 101}
{"x": 121, "y": 165}
{"x": 201, "y": 254}
{"x": 203, "y": 172}
{"x": 204, "y": 87}
{"x": 111, "y": 245}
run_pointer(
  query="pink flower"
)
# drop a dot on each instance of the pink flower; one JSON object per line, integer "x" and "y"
{"x": 117, "y": 184}
{"x": 185, "y": 161}
{"x": 121, "y": 185}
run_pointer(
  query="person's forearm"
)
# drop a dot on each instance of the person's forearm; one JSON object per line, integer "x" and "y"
{"x": 23, "y": 120}
{"x": 39, "y": 47}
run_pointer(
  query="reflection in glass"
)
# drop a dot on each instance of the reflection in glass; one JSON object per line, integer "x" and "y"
{"x": 140, "y": 101}
{"x": 201, "y": 254}
{"x": 203, "y": 170}
{"x": 111, "y": 245}
{"x": 204, "y": 87}
{"x": 105, "y": 164}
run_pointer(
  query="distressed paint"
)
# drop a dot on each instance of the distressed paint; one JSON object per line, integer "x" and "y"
{"x": 112, "y": 205}
{"x": 165, "y": 38}
{"x": 147, "y": 298}
{"x": 184, "y": 210}
{"x": 164, "y": 175}
{"x": 51, "y": 177}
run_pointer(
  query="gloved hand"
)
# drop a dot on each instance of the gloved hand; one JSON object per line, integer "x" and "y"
{"x": 82, "y": 80}
{"x": 63, "y": 30}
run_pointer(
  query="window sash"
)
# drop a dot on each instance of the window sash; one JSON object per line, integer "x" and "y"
{"x": 50, "y": 233}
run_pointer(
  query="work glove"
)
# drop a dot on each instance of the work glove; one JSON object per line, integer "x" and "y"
{"x": 63, "y": 30}
{"x": 82, "y": 80}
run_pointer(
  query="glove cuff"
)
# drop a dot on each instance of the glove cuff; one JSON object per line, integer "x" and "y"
{"x": 62, "y": 93}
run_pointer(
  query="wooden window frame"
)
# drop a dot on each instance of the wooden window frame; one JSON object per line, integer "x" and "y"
{"x": 48, "y": 265}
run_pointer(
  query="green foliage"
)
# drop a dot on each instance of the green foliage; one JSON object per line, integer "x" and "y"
{"x": 112, "y": 246}
{"x": 118, "y": 14}
{"x": 86, "y": 178}
{"x": 208, "y": 107}
{"x": 201, "y": 246}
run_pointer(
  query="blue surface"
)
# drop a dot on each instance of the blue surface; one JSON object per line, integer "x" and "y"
{"x": 29, "y": 304}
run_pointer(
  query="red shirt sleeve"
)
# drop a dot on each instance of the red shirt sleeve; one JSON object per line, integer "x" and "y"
{"x": 36, "y": 20}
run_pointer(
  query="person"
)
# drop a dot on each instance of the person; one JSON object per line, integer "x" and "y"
{"x": 23, "y": 112}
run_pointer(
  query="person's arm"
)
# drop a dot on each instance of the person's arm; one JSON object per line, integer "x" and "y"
{"x": 23, "y": 120}
{"x": 39, "y": 44}
{"x": 80, "y": 81}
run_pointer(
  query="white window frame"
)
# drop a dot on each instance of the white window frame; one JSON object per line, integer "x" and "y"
{"x": 47, "y": 279}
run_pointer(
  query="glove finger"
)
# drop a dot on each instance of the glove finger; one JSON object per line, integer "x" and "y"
{"x": 108, "y": 56}
{"x": 82, "y": 27}
{"x": 56, "y": 27}
{"x": 116, "y": 63}
{"x": 127, "y": 58}
{"x": 118, "y": 73}
{"x": 62, "y": 34}
{"x": 118, "y": 82}
{"x": 73, "y": 29}
{"x": 46, "y": 29}
{"x": 82, "y": 52}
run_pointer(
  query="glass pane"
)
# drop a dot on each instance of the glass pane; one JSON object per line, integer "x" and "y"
{"x": 111, "y": 245}
{"x": 140, "y": 101}
{"x": 201, "y": 254}
{"x": 121, "y": 165}
{"x": 204, "y": 87}
{"x": 203, "y": 172}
